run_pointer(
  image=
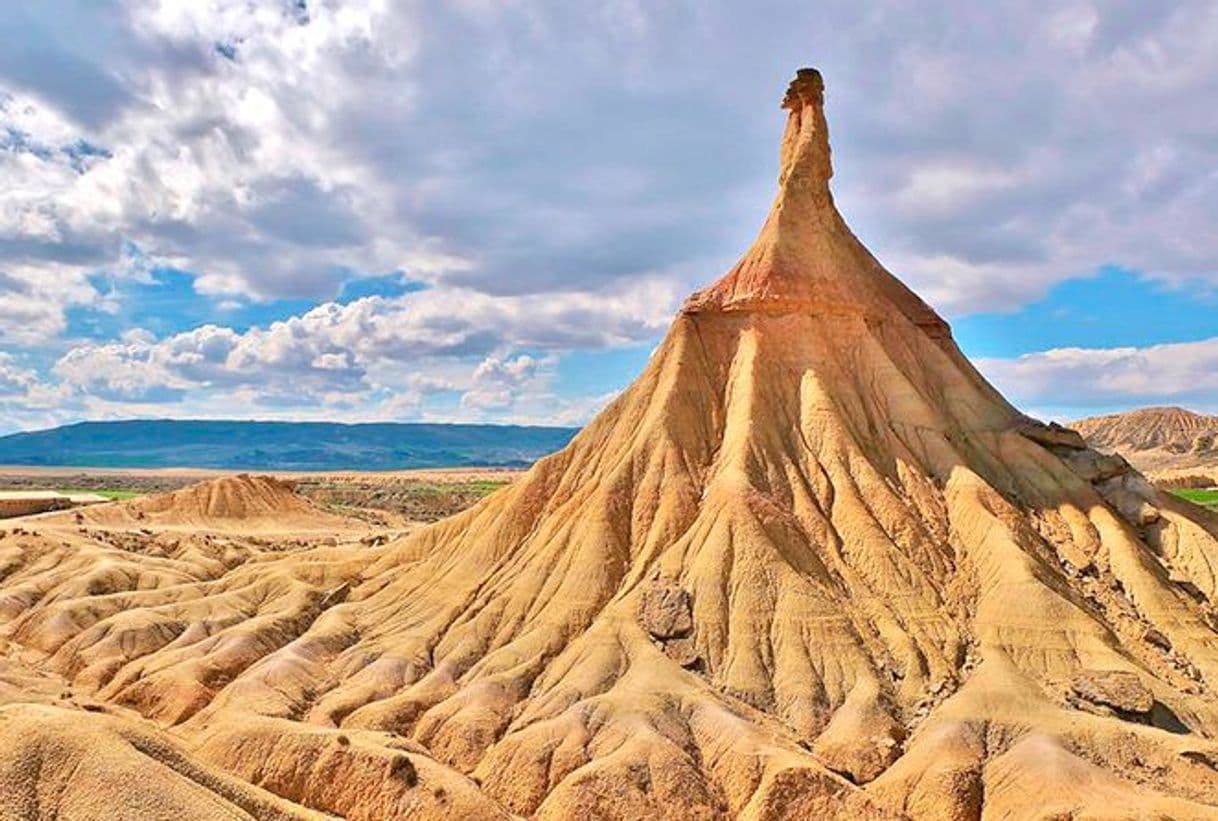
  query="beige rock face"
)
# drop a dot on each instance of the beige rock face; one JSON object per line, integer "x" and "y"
{"x": 809, "y": 565}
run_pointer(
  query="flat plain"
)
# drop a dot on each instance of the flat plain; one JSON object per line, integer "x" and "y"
{"x": 423, "y": 495}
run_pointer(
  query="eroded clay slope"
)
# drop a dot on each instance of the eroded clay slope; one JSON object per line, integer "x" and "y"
{"x": 1157, "y": 439}
{"x": 242, "y": 503}
{"x": 810, "y": 564}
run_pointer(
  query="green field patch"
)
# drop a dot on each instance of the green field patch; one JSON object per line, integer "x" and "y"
{"x": 113, "y": 494}
{"x": 1200, "y": 496}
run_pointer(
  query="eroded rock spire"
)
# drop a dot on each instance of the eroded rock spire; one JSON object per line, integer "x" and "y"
{"x": 805, "y": 257}
{"x": 805, "y": 160}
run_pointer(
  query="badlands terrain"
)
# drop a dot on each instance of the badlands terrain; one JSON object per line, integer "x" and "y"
{"x": 808, "y": 565}
{"x": 1162, "y": 442}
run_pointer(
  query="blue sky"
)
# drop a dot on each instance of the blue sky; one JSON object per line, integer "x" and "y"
{"x": 490, "y": 211}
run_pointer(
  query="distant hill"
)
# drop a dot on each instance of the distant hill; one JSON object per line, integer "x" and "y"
{"x": 281, "y": 445}
{"x": 1156, "y": 439}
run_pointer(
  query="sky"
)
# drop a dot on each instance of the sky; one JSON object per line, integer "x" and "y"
{"x": 489, "y": 210}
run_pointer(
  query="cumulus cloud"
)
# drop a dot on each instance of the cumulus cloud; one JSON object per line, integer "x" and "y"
{"x": 562, "y": 177}
{"x": 15, "y": 380}
{"x": 1185, "y": 372}
{"x": 267, "y": 149}
{"x": 499, "y": 381}
{"x": 412, "y": 345}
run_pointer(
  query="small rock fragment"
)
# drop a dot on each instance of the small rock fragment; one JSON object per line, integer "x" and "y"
{"x": 665, "y": 611}
{"x": 1051, "y": 435}
{"x": 1156, "y": 638}
{"x": 682, "y": 651}
{"x": 1121, "y": 691}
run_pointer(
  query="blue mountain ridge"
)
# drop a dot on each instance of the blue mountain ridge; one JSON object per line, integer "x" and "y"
{"x": 250, "y": 445}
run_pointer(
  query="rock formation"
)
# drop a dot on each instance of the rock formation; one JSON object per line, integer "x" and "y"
{"x": 241, "y": 503}
{"x": 810, "y": 564}
{"x": 1163, "y": 440}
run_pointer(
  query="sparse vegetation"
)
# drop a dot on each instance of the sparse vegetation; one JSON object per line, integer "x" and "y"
{"x": 480, "y": 486}
{"x": 113, "y": 494}
{"x": 418, "y": 500}
{"x": 83, "y": 480}
{"x": 401, "y": 767}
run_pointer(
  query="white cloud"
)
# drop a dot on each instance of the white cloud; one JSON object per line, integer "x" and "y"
{"x": 33, "y": 301}
{"x": 15, "y": 380}
{"x": 496, "y": 370}
{"x": 232, "y": 169}
{"x": 947, "y": 187}
{"x": 420, "y": 343}
{"x": 561, "y": 178}
{"x": 1184, "y": 372}
{"x": 499, "y": 382}
{"x": 265, "y": 148}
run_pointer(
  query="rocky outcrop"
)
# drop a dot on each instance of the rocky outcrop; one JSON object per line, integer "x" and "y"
{"x": 1115, "y": 689}
{"x": 1051, "y": 435}
{"x": 665, "y": 611}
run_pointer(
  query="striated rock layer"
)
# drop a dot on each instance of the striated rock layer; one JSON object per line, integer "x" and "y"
{"x": 1162, "y": 440}
{"x": 810, "y": 564}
